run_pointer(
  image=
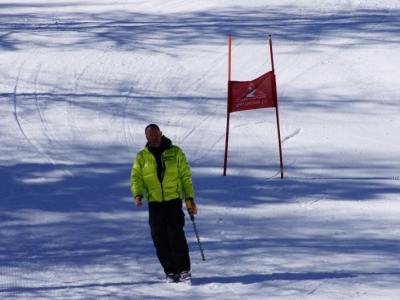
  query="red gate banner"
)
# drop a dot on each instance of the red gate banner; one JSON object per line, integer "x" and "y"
{"x": 258, "y": 93}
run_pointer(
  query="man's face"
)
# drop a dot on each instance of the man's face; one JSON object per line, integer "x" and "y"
{"x": 153, "y": 136}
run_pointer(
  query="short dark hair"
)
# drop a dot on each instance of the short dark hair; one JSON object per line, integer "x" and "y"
{"x": 151, "y": 126}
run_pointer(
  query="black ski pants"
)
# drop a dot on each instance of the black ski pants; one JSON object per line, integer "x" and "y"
{"x": 166, "y": 220}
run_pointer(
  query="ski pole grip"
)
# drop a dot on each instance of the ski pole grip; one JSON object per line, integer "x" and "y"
{"x": 191, "y": 207}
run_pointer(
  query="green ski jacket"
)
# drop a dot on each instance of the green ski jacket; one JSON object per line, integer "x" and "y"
{"x": 176, "y": 179}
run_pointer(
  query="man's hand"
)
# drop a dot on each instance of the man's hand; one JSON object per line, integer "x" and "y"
{"x": 138, "y": 201}
{"x": 191, "y": 206}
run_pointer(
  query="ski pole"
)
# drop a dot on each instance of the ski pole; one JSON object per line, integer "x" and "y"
{"x": 197, "y": 236}
{"x": 191, "y": 213}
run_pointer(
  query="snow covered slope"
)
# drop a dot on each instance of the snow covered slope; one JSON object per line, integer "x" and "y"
{"x": 79, "y": 81}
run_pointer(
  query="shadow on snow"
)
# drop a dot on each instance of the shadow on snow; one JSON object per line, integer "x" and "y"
{"x": 147, "y": 32}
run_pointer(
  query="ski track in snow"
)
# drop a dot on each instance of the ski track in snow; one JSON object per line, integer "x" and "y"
{"x": 52, "y": 140}
{"x": 50, "y": 137}
{"x": 132, "y": 107}
{"x": 17, "y": 117}
{"x": 296, "y": 132}
{"x": 313, "y": 235}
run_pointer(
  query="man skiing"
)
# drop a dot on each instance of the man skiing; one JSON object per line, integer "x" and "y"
{"x": 162, "y": 174}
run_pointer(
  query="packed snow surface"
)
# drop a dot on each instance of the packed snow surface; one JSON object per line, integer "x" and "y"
{"x": 80, "y": 80}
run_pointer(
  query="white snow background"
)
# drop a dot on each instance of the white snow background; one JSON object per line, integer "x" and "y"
{"x": 79, "y": 81}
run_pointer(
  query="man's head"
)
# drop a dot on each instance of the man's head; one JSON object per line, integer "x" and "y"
{"x": 153, "y": 135}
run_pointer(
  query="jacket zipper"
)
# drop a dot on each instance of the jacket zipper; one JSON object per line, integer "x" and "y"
{"x": 162, "y": 176}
